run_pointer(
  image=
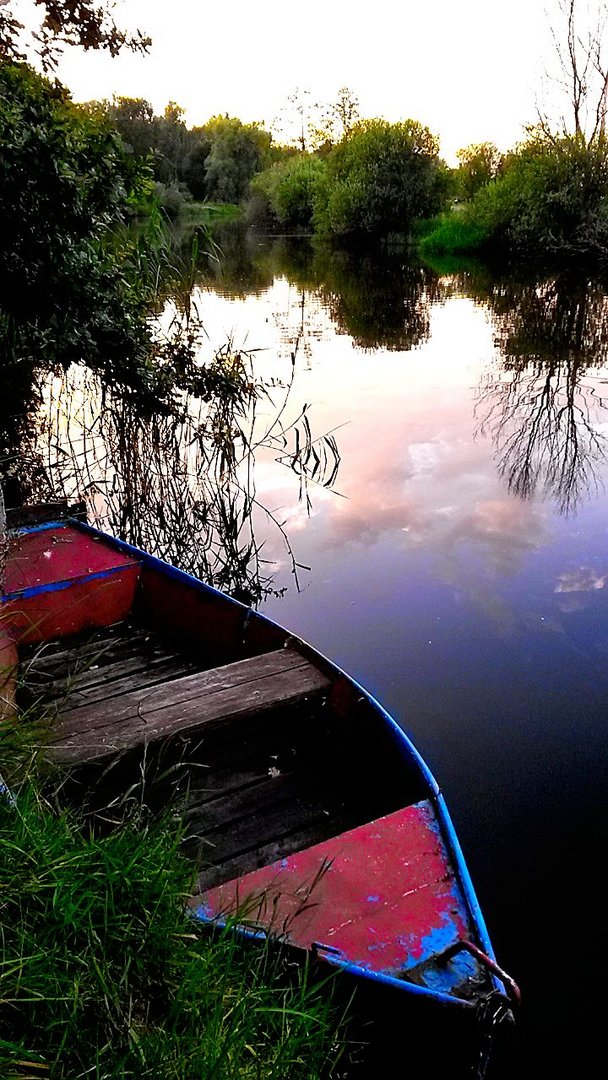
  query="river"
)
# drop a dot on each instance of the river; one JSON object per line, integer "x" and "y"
{"x": 430, "y": 512}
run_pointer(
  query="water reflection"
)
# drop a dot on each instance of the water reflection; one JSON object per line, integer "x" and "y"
{"x": 542, "y": 406}
{"x": 379, "y": 297}
{"x": 180, "y": 485}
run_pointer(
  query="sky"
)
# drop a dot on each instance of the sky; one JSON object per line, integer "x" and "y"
{"x": 470, "y": 70}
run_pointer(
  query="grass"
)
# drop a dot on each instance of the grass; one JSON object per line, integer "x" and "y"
{"x": 209, "y": 211}
{"x": 451, "y": 234}
{"x": 102, "y": 975}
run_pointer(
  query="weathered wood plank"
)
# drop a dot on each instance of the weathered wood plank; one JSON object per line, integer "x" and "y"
{"x": 52, "y": 659}
{"x": 267, "y": 825}
{"x": 183, "y": 691}
{"x": 319, "y": 829}
{"x": 266, "y": 794}
{"x": 113, "y": 680}
{"x": 210, "y": 697}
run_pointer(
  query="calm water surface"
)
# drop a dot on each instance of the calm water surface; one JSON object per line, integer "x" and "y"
{"x": 457, "y": 565}
{"x": 458, "y": 570}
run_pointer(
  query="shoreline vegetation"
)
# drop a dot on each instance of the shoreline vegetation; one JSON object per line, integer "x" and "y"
{"x": 103, "y": 973}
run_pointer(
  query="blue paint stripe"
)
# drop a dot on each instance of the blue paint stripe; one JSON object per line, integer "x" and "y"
{"x": 348, "y": 968}
{"x": 398, "y": 984}
{"x": 58, "y": 586}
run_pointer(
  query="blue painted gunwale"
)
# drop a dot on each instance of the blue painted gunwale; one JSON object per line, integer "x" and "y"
{"x": 402, "y": 741}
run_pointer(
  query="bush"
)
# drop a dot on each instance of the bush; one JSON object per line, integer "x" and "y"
{"x": 290, "y": 189}
{"x": 172, "y": 198}
{"x": 380, "y": 180}
{"x": 552, "y": 196}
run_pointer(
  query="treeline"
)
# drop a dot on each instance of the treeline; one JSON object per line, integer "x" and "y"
{"x": 345, "y": 176}
{"x": 214, "y": 162}
{"x": 349, "y": 177}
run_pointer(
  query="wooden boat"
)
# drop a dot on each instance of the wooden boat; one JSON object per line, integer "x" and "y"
{"x": 310, "y": 814}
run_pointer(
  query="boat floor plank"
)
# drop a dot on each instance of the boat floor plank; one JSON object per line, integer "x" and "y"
{"x": 252, "y": 800}
{"x": 277, "y": 819}
{"x": 114, "y": 680}
{"x": 215, "y": 696}
{"x": 314, "y": 832}
{"x": 54, "y": 659}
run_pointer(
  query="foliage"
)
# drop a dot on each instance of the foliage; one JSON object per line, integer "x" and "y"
{"x": 290, "y": 189}
{"x": 74, "y": 287}
{"x": 215, "y": 161}
{"x": 87, "y": 23}
{"x": 64, "y": 178}
{"x": 552, "y": 196}
{"x": 380, "y": 180}
{"x": 237, "y": 152}
{"x": 479, "y": 163}
{"x": 104, "y": 976}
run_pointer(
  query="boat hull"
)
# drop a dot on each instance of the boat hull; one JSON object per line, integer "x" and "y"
{"x": 381, "y": 889}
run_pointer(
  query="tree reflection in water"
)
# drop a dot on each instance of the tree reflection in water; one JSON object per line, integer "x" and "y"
{"x": 179, "y": 485}
{"x": 542, "y": 407}
{"x": 376, "y": 296}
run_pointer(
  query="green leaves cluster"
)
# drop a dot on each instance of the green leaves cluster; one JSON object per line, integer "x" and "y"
{"x": 380, "y": 180}
{"x": 291, "y": 189}
{"x": 64, "y": 180}
{"x": 549, "y": 197}
{"x": 215, "y": 161}
{"x": 87, "y": 23}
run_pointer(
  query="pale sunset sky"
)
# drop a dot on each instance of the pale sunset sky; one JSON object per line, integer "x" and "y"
{"x": 470, "y": 70}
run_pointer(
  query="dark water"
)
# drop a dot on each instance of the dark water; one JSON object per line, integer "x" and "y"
{"x": 458, "y": 562}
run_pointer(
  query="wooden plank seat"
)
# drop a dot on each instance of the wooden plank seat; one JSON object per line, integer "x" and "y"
{"x": 109, "y": 723}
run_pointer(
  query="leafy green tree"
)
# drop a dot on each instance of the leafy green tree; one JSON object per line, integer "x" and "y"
{"x": 551, "y": 197}
{"x": 70, "y": 291}
{"x": 479, "y": 163}
{"x": 380, "y": 180}
{"x": 290, "y": 188}
{"x": 132, "y": 118}
{"x": 237, "y": 151}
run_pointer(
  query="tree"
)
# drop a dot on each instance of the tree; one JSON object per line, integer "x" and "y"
{"x": 479, "y": 163}
{"x": 132, "y": 118}
{"x": 551, "y": 198}
{"x": 63, "y": 177}
{"x": 345, "y": 109}
{"x": 87, "y": 23}
{"x": 237, "y": 152}
{"x": 298, "y": 120}
{"x": 70, "y": 290}
{"x": 380, "y": 179}
{"x": 337, "y": 120}
{"x": 290, "y": 188}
